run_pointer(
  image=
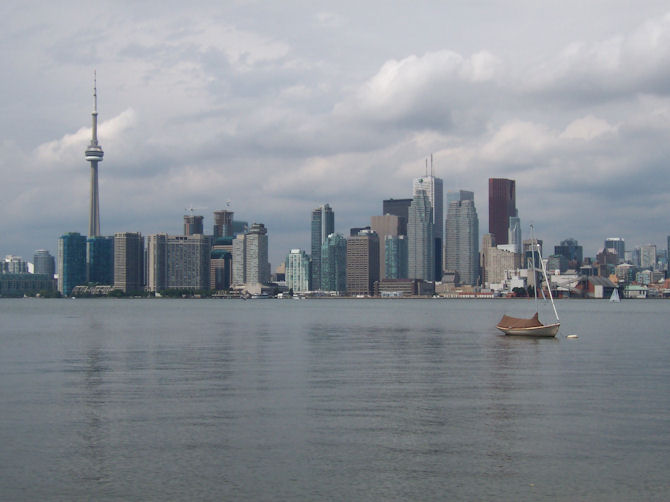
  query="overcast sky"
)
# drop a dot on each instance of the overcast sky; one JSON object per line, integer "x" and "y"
{"x": 281, "y": 106}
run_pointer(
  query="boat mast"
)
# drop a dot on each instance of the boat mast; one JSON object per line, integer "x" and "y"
{"x": 534, "y": 244}
{"x": 544, "y": 272}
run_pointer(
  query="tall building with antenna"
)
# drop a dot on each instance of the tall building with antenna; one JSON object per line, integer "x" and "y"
{"x": 432, "y": 186}
{"x": 94, "y": 155}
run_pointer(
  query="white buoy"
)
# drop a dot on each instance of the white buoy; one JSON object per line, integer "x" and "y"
{"x": 572, "y": 336}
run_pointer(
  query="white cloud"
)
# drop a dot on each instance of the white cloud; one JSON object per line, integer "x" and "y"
{"x": 419, "y": 88}
{"x": 518, "y": 142}
{"x": 637, "y": 61}
{"x": 70, "y": 148}
{"x": 587, "y": 128}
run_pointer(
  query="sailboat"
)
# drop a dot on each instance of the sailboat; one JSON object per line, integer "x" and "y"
{"x": 531, "y": 327}
{"x": 615, "y": 296}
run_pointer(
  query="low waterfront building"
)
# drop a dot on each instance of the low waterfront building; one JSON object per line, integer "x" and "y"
{"x": 17, "y": 285}
{"x": 404, "y": 287}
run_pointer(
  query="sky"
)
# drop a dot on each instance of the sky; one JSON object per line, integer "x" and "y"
{"x": 271, "y": 109}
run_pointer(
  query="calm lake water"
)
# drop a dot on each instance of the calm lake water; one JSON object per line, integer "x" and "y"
{"x": 331, "y": 400}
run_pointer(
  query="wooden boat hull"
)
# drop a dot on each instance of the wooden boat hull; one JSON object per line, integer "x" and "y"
{"x": 548, "y": 330}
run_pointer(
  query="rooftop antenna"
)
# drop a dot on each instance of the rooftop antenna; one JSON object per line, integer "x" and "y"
{"x": 431, "y": 164}
{"x": 426, "y": 167}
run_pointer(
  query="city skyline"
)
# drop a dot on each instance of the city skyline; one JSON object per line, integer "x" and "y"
{"x": 229, "y": 104}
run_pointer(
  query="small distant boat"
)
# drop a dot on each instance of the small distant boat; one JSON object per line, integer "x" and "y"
{"x": 615, "y": 296}
{"x": 516, "y": 326}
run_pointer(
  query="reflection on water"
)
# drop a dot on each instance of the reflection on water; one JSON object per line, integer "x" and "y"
{"x": 93, "y": 431}
{"x": 330, "y": 400}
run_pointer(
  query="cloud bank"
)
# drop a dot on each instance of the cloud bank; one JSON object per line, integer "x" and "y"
{"x": 281, "y": 110}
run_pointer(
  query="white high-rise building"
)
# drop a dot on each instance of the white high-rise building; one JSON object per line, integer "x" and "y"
{"x": 250, "y": 256}
{"x": 257, "y": 265}
{"x": 297, "y": 271}
{"x": 648, "y": 256}
{"x": 514, "y": 234}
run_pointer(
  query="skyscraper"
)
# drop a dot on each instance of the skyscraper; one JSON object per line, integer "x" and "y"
{"x": 362, "y": 263}
{"x": 514, "y": 233}
{"x": 334, "y": 264}
{"x": 399, "y": 208}
{"x": 433, "y": 188}
{"x": 571, "y": 249}
{"x": 395, "y": 257}
{"x": 250, "y": 256}
{"x": 220, "y": 270}
{"x": 178, "y": 262}
{"x": 188, "y": 261}
{"x": 384, "y": 226}
{"x": 44, "y": 263}
{"x": 648, "y": 256}
{"x": 221, "y": 264}
{"x": 323, "y": 224}
{"x": 156, "y": 266}
{"x": 128, "y": 261}
{"x": 100, "y": 259}
{"x": 193, "y": 224}
{"x": 462, "y": 239}
{"x": 94, "y": 155}
{"x": 257, "y": 265}
{"x": 420, "y": 240}
{"x": 71, "y": 262}
{"x": 239, "y": 259}
{"x": 618, "y": 244}
{"x": 223, "y": 224}
{"x": 297, "y": 271}
{"x": 502, "y": 205}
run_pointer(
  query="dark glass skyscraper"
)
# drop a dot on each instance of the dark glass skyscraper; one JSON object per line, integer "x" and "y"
{"x": 323, "y": 224}
{"x": 395, "y": 257}
{"x": 128, "y": 261}
{"x": 71, "y": 262}
{"x": 223, "y": 224}
{"x": 100, "y": 259}
{"x": 399, "y": 208}
{"x": 334, "y": 263}
{"x": 618, "y": 244}
{"x": 571, "y": 249}
{"x": 502, "y": 205}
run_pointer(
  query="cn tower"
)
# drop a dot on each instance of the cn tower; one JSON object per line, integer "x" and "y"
{"x": 94, "y": 155}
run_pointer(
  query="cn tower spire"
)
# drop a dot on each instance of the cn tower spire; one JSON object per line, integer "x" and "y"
{"x": 94, "y": 155}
